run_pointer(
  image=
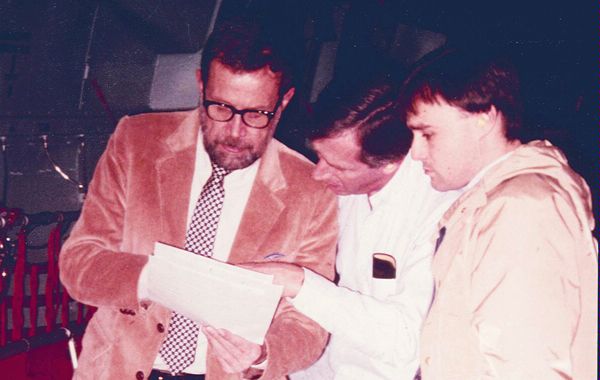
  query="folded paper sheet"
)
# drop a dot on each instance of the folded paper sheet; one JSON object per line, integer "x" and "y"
{"x": 219, "y": 294}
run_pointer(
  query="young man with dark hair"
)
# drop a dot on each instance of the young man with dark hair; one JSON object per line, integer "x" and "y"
{"x": 217, "y": 173}
{"x": 388, "y": 214}
{"x": 515, "y": 267}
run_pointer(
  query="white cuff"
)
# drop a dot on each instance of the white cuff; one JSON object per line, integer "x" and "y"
{"x": 166, "y": 282}
{"x": 143, "y": 281}
{"x": 315, "y": 298}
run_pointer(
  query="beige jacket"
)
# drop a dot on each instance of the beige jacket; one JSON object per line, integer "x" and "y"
{"x": 140, "y": 194}
{"x": 516, "y": 276}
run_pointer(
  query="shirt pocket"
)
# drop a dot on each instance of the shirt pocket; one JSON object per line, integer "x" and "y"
{"x": 383, "y": 287}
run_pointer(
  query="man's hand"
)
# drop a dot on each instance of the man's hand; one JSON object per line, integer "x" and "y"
{"x": 290, "y": 276}
{"x": 235, "y": 354}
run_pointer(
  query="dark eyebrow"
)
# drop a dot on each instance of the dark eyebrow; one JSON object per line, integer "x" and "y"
{"x": 331, "y": 164}
{"x": 259, "y": 108}
{"x": 245, "y": 109}
{"x": 418, "y": 127}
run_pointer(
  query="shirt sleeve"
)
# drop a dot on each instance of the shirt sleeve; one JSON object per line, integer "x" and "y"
{"x": 294, "y": 341}
{"x": 387, "y": 329}
{"x": 143, "y": 282}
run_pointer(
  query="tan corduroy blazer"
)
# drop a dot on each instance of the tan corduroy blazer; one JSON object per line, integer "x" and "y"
{"x": 139, "y": 195}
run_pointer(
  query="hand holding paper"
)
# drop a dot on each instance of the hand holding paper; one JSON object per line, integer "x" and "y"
{"x": 213, "y": 293}
{"x": 233, "y": 352}
{"x": 290, "y": 276}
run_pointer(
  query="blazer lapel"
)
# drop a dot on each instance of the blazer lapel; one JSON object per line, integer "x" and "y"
{"x": 174, "y": 172}
{"x": 262, "y": 210}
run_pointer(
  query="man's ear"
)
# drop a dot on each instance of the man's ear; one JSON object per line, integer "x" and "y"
{"x": 489, "y": 121}
{"x": 287, "y": 97}
{"x": 494, "y": 115}
{"x": 390, "y": 167}
{"x": 199, "y": 82}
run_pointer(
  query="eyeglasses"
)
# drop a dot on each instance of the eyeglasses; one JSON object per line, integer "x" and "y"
{"x": 218, "y": 111}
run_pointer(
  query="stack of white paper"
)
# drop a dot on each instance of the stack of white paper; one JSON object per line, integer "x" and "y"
{"x": 221, "y": 295}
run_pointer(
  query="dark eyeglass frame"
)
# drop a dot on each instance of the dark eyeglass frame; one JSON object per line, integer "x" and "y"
{"x": 242, "y": 113}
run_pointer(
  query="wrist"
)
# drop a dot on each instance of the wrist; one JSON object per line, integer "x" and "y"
{"x": 296, "y": 285}
{"x": 261, "y": 357}
{"x": 256, "y": 370}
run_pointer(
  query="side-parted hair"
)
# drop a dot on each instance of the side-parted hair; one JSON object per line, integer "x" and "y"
{"x": 473, "y": 81}
{"x": 371, "y": 111}
{"x": 245, "y": 44}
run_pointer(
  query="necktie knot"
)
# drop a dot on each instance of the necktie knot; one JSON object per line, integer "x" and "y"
{"x": 218, "y": 172}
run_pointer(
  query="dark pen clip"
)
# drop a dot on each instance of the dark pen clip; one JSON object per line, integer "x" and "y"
{"x": 384, "y": 266}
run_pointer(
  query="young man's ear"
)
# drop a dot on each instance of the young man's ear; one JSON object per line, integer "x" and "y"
{"x": 494, "y": 115}
{"x": 489, "y": 121}
{"x": 390, "y": 167}
{"x": 483, "y": 119}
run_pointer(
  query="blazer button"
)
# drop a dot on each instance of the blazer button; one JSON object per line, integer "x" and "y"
{"x": 127, "y": 311}
{"x": 160, "y": 327}
{"x": 139, "y": 375}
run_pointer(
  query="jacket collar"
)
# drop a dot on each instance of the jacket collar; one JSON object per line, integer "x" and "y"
{"x": 174, "y": 179}
{"x": 264, "y": 207}
{"x": 536, "y": 157}
{"x": 185, "y": 135}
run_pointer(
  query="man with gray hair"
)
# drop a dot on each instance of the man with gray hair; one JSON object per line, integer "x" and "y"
{"x": 214, "y": 181}
{"x": 388, "y": 214}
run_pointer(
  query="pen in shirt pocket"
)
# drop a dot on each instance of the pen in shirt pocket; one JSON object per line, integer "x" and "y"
{"x": 384, "y": 266}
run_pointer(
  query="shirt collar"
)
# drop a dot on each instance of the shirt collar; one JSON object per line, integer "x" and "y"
{"x": 387, "y": 193}
{"x": 475, "y": 180}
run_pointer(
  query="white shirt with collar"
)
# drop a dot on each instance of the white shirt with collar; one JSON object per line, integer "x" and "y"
{"x": 238, "y": 185}
{"x": 375, "y": 323}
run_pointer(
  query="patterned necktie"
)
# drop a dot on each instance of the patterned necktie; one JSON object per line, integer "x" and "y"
{"x": 179, "y": 348}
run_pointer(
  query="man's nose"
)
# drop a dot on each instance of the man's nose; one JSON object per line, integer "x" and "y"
{"x": 417, "y": 149}
{"x": 236, "y": 126}
{"x": 320, "y": 171}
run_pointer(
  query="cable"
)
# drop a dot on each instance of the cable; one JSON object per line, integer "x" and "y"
{"x": 4, "y": 171}
{"x": 57, "y": 168}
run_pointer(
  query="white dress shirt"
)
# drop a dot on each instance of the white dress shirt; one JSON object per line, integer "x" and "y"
{"x": 238, "y": 185}
{"x": 375, "y": 323}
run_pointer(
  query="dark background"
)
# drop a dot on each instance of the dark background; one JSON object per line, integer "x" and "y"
{"x": 141, "y": 56}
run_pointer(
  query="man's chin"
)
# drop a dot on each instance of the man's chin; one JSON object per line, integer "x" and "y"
{"x": 442, "y": 186}
{"x": 338, "y": 190}
{"x": 233, "y": 161}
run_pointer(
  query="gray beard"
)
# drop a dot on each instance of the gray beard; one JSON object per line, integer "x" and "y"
{"x": 223, "y": 159}
{"x": 226, "y": 161}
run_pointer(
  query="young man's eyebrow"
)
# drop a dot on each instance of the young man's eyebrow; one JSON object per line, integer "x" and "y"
{"x": 418, "y": 126}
